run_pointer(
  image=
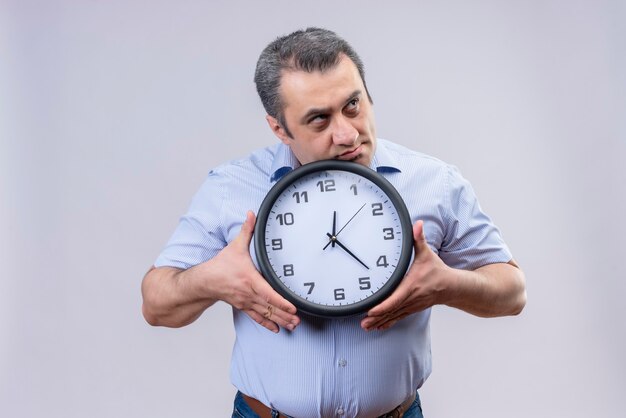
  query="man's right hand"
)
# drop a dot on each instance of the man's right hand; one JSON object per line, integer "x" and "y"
{"x": 242, "y": 286}
{"x": 174, "y": 297}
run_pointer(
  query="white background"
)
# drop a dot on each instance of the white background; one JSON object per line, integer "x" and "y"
{"x": 112, "y": 113}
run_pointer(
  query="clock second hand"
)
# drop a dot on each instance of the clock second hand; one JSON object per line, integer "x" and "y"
{"x": 335, "y": 240}
{"x": 331, "y": 241}
{"x": 350, "y": 220}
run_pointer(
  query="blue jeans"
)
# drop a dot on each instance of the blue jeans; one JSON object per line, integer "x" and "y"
{"x": 242, "y": 410}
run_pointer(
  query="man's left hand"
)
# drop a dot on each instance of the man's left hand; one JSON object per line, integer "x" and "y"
{"x": 422, "y": 287}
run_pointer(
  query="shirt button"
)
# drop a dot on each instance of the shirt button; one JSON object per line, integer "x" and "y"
{"x": 343, "y": 362}
{"x": 340, "y": 411}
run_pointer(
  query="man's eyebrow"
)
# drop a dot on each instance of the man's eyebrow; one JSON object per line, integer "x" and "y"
{"x": 354, "y": 95}
{"x": 325, "y": 110}
{"x": 314, "y": 112}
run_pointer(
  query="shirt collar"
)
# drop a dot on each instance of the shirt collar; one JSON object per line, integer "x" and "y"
{"x": 285, "y": 161}
{"x": 383, "y": 162}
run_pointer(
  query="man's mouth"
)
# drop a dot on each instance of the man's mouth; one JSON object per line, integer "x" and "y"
{"x": 351, "y": 154}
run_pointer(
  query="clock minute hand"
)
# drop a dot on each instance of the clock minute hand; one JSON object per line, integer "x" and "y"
{"x": 334, "y": 225}
{"x": 331, "y": 240}
{"x": 335, "y": 240}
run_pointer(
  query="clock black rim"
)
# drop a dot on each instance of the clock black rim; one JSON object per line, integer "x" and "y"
{"x": 313, "y": 308}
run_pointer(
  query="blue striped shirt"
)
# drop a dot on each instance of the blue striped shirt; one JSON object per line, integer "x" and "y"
{"x": 332, "y": 367}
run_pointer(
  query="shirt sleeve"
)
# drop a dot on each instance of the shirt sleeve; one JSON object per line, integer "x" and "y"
{"x": 199, "y": 235}
{"x": 471, "y": 239}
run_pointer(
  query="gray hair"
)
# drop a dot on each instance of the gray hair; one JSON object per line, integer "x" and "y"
{"x": 313, "y": 49}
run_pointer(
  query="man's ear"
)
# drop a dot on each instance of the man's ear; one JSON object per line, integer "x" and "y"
{"x": 278, "y": 129}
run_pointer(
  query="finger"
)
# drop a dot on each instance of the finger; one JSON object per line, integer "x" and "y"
{"x": 247, "y": 229}
{"x": 265, "y": 313}
{"x": 381, "y": 325}
{"x": 373, "y": 324}
{"x": 267, "y": 295}
{"x": 271, "y": 316}
{"x": 277, "y": 316}
{"x": 392, "y": 303}
{"x": 369, "y": 323}
{"x": 388, "y": 324}
{"x": 419, "y": 238}
{"x": 261, "y": 320}
{"x": 384, "y": 322}
{"x": 283, "y": 311}
{"x": 276, "y": 311}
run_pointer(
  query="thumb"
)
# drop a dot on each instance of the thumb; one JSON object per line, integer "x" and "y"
{"x": 247, "y": 229}
{"x": 419, "y": 238}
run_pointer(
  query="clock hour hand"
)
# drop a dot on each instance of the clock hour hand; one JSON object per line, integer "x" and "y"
{"x": 336, "y": 241}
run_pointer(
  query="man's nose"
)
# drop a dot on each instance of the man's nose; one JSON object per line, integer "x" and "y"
{"x": 344, "y": 133}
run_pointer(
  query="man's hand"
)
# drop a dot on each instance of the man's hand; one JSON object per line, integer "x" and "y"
{"x": 174, "y": 297}
{"x": 420, "y": 289}
{"x": 491, "y": 290}
{"x": 242, "y": 286}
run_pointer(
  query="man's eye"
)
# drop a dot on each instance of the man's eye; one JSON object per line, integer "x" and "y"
{"x": 353, "y": 105}
{"x": 318, "y": 120}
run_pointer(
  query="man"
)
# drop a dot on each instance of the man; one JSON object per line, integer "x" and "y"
{"x": 313, "y": 88}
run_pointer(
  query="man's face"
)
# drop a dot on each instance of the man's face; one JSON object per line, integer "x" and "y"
{"x": 328, "y": 114}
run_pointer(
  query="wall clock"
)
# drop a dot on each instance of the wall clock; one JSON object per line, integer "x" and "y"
{"x": 333, "y": 237}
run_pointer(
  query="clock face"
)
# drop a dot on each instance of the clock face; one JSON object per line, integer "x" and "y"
{"x": 333, "y": 237}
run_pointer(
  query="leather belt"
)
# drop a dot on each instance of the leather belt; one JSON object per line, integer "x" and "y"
{"x": 264, "y": 412}
{"x": 398, "y": 411}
